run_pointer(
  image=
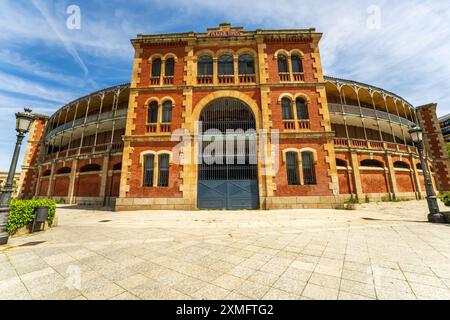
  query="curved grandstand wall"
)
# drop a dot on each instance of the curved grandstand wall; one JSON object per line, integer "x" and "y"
{"x": 80, "y": 149}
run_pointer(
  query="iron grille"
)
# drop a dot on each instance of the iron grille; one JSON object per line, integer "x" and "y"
{"x": 163, "y": 176}
{"x": 148, "y": 170}
{"x": 230, "y": 126}
{"x": 309, "y": 175}
{"x": 292, "y": 168}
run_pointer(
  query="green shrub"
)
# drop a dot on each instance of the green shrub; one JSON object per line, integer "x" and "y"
{"x": 445, "y": 198}
{"x": 22, "y": 212}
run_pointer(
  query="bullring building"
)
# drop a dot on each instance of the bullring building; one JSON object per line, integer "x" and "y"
{"x": 231, "y": 119}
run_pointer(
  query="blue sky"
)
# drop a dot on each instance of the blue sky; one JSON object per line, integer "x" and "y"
{"x": 401, "y": 46}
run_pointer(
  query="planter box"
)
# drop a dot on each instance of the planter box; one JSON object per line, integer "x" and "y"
{"x": 27, "y": 229}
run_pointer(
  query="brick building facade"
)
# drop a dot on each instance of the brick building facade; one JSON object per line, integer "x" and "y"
{"x": 317, "y": 140}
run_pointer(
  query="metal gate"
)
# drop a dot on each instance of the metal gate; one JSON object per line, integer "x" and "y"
{"x": 228, "y": 169}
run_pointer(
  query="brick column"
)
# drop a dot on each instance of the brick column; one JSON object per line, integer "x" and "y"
{"x": 104, "y": 177}
{"x": 50, "y": 180}
{"x": 435, "y": 145}
{"x": 73, "y": 176}
{"x": 356, "y": 174}
{"x": 391, "y": 175}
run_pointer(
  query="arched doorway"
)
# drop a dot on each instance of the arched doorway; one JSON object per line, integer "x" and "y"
{"x": 228, "y": 167}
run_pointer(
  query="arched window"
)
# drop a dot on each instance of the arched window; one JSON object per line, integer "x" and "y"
{"x": 418, "y": 166}
{"x": 401, "y": 165}
{"x": 286, "y": 109}
{"x": 341, "y": 163}
{"x": 152, "y": 116}
{"x": 205, "y": 66}
{"x": 226, "y": 67}
{"x": 282, "y": 64}
{"x": 167, "y": 112}
{"x": 163, "y": 170}
{"x": 156, "y": 68}
{"x": 63, "y": 170}
{"x": 91, "y": 167}
{"x": 169, "y": 67}
{"x": 246, "y": 64}
{"x": 371, "y": 163}
{"x": 297, "y": 66}
{"x": 117, "y": 166}
{"x": 292, "y": 168}
{"x": 46, "y": 173}
{"x": 149, "y": 165}
{"x": 309, "y": 172}
{"x": 302, "y": 109}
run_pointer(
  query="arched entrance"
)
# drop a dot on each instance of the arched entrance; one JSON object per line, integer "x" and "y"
{"x": 228, "y": 167}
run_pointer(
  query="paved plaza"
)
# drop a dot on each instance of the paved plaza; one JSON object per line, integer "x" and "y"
{"x": 380, "y": 251}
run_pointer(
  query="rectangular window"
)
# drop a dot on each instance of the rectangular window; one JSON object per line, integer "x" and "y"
{"x": 292, "y": 169}
{"x": 309, "y": 175}
{"x": 163, "y": 174}
{"x": 149, "y": 164}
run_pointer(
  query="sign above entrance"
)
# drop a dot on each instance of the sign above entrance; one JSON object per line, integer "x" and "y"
{"x": 225, "y": 30}
{"x": 223, "y": 33}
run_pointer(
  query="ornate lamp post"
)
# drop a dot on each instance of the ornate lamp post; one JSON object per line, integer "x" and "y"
{"x": 434, "y": 216}
{"x": 23, "y": 125}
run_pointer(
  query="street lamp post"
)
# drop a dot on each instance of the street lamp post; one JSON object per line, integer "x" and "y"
{"x": 434, "y": 216}
{"x": 23, "y": 125}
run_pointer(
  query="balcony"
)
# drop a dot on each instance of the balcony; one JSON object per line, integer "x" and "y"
{"x": 105, "y": 116}
{"x": 373, "y": 145}
{"x": 152, "y": 127}
{"x": 155, "y": 81}
{"x": 205, "y": 79}
{"x": 289, "y": 124}
{"x": 168, "y": 80}
{"x": 284, "y": 76}
{"x": 226, "y": 79}
{"x": 368, "y": 113}
{"x": 115, "y": 147}
{"x": 166, "y": 127}
{"x": 301, "y": 124}
{"x": 247, "y": 78}
{"x": 298, "y": 76}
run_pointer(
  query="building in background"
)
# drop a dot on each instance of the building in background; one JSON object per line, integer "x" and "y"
{"x": 444, "y": 122}
{"x": 4, "y": 176}
{"x": 140, "y": 145}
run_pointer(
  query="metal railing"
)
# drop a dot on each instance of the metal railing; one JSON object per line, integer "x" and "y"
{"x": 369, "y": 113}
{"x": 115, "y": 147}
{"x": 371, "y": 144}
{"x": 120, "y": 113}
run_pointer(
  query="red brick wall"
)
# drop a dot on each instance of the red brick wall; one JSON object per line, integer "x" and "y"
{"x": 114, "y": 184}
{"x": 32, "y": 154}
{"x": 374, "y": 181}
{"x": 61, "y": 186}
{"x": 404, "y": 181}
{"x": 149, "y": 50}
{"x": 321, "y": 168}
{"x": 345, "y": 182}
{"x": 272, "y": 64}
{"x": 88, "y": 185}
{"x": 43, "y": 186}
{"x": 313, "y": 106}
{"x": 142, "y": 111}
{"x": 136, "y": 169}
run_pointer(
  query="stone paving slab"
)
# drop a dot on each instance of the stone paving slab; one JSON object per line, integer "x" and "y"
{"x": 380, "y": 251}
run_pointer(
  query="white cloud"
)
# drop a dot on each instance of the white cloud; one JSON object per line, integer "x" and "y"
{"x": 38, "y": 91}
{"x": 408, "y": 55}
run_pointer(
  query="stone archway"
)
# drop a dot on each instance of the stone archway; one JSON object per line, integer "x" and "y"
{"x": 227, "y": 158}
